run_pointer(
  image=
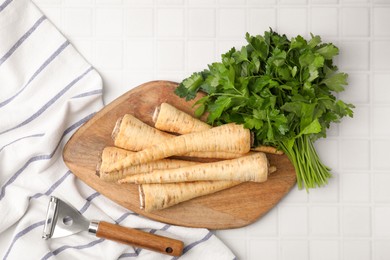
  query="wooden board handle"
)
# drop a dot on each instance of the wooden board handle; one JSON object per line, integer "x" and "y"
{"x": 139, "y": 238}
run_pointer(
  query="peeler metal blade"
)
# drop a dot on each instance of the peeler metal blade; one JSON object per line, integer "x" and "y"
{"x": 62, "y": 220}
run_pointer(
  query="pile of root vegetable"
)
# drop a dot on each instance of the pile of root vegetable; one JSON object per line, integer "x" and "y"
{"x": 143, "y": 155}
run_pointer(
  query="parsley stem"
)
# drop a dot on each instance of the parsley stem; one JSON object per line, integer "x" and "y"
{"x": 228, "y": 95}
{"x": 310, "y": 171}
{"x": 239, "y": 92}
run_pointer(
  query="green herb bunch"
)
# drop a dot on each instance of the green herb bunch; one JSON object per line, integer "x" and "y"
{"x": 280, "y": 89}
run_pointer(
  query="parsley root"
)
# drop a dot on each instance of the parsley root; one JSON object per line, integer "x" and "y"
{"x": 253, "y": 167}
{"x": 112, "y": 154}
{"x": 132, "y": 134}
{"x": 159, "y": 196}
{"x": 232, "y": 138}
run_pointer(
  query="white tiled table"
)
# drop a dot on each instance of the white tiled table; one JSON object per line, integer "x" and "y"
{"x": 134, "y": 41}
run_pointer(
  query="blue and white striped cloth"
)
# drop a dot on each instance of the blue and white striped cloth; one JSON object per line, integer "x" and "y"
{"x": 47, "y": 90}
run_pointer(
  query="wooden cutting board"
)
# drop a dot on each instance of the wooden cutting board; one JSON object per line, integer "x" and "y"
{"x": 231, "y": 208}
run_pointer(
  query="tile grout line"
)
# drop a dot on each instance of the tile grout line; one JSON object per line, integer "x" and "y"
{"x": 186, "y": 34}
{"x": 308, "y": 199}
{"x": 124, "y": 44}
{"x": 370, "y": 121}
{"x": 279, "y": 214}
{"x": 340, "y": 181}
{"x": 155, "y": 39}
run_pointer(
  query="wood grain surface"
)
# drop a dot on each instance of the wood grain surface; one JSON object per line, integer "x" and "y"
{"x": 235, "y": 207}
{"x": 138, "y": 238}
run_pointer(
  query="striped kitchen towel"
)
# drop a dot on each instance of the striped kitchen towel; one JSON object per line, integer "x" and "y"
{"x": 47, "y": 90}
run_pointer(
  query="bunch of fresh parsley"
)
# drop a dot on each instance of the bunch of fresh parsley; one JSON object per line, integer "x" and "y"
{"x": 282, "y": 90}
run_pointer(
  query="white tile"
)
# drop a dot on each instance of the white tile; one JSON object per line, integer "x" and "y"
{"x": 138, "y": 2}
{"x": 132, "y": 79}
{"x": 356, "y": 221}
{"x": 355, "y": 187}
{"x": 380, "y": 154}
{"x": 293, "y": 2}
{"x": 109, "y": 54}
{"x": 295, "y": 195}
{"x": 381, "y": 20}
{"x": 292, "y": 21}
{"x": 78, "y": 21}
{"x": 260, "y": 20}
{"x": 109, "y": 22}
{"x": 381, "y": 92}
{"x": 356, "y": 249}
{"x": 354, "y": 154}
{"x": 267, "y": 225}
{"x": 232, "y": 233}
{"x": 224, "y": 46}
{"x": 45, "y": 2}
{"x": 187, "y": 73}
{"x": 231, "y": 2}
{"x": 328, "y": 152}
{"x": 381, "y": 55}
{"x": 201, "y": 2}
{"x": 324, "y": 220}
{"x": 328, "y": 193}
{"x": 231, "y": 22}
{"x": 201, "y": 22}
{"x": 324, "y": 250}
{"x": 76, "y": 3}
{"x": 381, "y": 249}
{"x": 355, "y": 21}
{"x": 381, "y": 223}
{"x": 294, "y": 250}
{"x": 358, "y": 125}
{"x": 200, "y": 54}
{"x": 321, "y": 14}
{"x": 354, "y": 55}
{"x": 84, "y": 47}
{"x": 170, "y": 22}
{"x": 170, "y": 2}
{"x": 175, "y": 76}
{"x": 354, "y": 1}
{"x": 139, "y": 55}
{"x": 53, "y": 14}
{"x": 381, "y": 123}
{"x": 139, "y": 22}
{"x": 170, "y": 55}
{"x": 324, "y": 2}
{"x": 113, "y": 85}
{"x": 293, "y": 220}
{"x": 112, "y": 2}
{"x": 263, "y": 249}
{"x": 260, "y": 2}
{"x": 381, "y": 190}
{"x": 357, "y": 90}
{"x": 381, "y": 2}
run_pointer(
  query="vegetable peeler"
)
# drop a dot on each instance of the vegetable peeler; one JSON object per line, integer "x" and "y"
{"x": 64, "y": 220}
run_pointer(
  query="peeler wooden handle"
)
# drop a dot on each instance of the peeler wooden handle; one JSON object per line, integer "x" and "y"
{"x": 138, "y": 238}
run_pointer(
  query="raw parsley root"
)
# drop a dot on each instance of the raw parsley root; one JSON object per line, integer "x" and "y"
{"x": 213, "y": 139}
{"x": 280, "y": 89}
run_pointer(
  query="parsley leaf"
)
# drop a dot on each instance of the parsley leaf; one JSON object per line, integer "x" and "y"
{"x": 280, "y": 89}
{"x": 336, "y": 81}
{"x": 190, "y": 86}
